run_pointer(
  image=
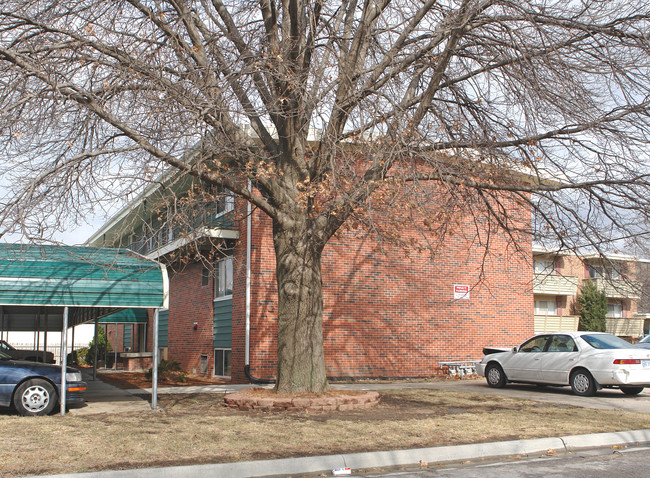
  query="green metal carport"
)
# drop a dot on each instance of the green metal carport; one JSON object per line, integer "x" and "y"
{"x": 61, "y": 286}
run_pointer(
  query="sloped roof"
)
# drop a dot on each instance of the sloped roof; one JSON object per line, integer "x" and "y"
{"x": 126, "y": 316}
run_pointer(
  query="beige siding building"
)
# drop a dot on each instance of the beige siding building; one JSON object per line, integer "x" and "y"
{"x": 558, "y": 279}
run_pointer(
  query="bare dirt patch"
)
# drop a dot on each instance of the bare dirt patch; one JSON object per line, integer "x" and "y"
{"x": 263, "y": 399}
{"x": 198, "y": 428}
{"x": 133, "y": 380}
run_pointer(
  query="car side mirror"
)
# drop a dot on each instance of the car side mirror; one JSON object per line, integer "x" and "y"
{"x": 515, "y": 349}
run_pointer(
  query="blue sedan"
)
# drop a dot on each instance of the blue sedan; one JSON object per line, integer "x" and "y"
{"x": 34, "y": 388}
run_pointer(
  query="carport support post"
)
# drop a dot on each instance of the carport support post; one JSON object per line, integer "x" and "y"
{"x": 64, "y": 359}
{"x": 154, "y": 365}
{"x": 115, "y": 358}
{"x": 96, "y": 349}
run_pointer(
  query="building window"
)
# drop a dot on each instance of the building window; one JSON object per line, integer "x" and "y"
{"x": 601, "y": 272}
{"x": 225, "y": 203}
{"x": 205, "y": 277}
{"x": 614, "y": 310}
{"x": 126, "y": 337}
{"x": 545, "y": 306}
{"x": 223, "y": 278}
{"x": 544, "y": 266}
{"x": 596, "y": 272}
{"x": 222, "y": 362}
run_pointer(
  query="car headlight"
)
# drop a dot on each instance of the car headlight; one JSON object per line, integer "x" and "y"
{"x": 73, "y": 377}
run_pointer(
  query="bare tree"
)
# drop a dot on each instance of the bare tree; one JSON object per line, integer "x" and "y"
{"x": 337, "y": 112}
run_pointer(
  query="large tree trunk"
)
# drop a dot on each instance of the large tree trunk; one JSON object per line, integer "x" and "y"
{"x": 301, "y": 359}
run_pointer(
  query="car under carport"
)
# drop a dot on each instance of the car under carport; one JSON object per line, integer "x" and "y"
{"x": 52, "y": 288}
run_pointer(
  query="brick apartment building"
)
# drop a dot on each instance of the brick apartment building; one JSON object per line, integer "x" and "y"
{"x": 386, "y": 313}
{"x": 558, "y": 279}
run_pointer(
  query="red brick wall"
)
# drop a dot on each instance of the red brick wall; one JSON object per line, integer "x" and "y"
{"x": 115, "y": 337}
{"x": 390, "y": 315}
{"x": 190, "y": 303}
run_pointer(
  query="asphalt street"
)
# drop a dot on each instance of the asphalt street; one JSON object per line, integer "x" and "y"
{"x": 598, "y": 463}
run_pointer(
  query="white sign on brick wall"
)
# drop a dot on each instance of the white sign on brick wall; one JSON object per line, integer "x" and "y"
{"x": 461, "y": 291}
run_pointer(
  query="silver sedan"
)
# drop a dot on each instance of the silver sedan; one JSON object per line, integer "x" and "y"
{"x": 587, "y": 361}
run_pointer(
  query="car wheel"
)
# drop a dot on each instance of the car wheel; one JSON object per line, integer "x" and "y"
{"x": 495, "y": 376}
{"x": 35, "y": 397}
{"x": 631, "y": 390}
{"x": 582, "y": 383}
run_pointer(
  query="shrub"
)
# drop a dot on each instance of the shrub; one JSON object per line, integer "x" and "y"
{"x": 165, "y": 369}
{"x": 78, "y": 357}
{"x": 102, "y": 348}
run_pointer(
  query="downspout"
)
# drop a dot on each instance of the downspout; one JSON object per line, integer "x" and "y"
{"x": 249, "y": 235}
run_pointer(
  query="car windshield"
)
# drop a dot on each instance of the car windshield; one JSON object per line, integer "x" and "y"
{"x": 606, "y": 341}
{"x": 4, "y": 356}
{"x": 645, "y": 340}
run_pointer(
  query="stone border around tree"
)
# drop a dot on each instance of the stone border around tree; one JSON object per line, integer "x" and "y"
{"x": 343, "y": 402}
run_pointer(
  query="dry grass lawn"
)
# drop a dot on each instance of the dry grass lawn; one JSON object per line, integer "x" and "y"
{"x": 194, "y": 429}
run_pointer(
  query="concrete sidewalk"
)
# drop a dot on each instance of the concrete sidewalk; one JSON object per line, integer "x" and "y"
{"x": 361, "y": 461}
{"x": 104, "y": 398}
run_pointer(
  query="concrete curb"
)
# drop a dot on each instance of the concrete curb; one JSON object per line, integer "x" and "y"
{"x": 356, "y": 461}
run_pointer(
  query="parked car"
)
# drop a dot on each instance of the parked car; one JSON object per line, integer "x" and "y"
{"x": 32, "y": 355}
{"x": 587, "y": 361}
{"x": 34, "y": 388}
{"x": 644, "y": 343}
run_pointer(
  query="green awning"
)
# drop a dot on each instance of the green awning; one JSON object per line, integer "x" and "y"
{"x": 39, "y": 280}
{"x": 126, "y": 316}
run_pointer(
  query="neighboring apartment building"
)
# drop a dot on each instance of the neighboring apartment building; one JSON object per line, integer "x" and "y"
{"x": 386, "y": 314}
{"x": 559, "y": 277}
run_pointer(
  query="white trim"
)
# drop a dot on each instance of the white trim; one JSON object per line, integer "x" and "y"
{"x": 223, "y": 297}
{"x": 165, "y": 279}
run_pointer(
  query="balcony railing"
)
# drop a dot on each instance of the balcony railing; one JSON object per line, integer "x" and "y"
{"x": 201, "y": 225}
{"x": 617, "y": 288}
{"x": 556, "y": 323}
{"x": 555, "y": 284}
{"x": 625, "y": 326}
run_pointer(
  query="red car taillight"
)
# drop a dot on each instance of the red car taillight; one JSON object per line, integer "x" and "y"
{"x": 627, "y": 362}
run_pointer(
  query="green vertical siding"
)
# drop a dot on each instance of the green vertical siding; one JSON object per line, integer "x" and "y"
{"x": 163, "y": 322}
{"x": 223, "y": 323}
